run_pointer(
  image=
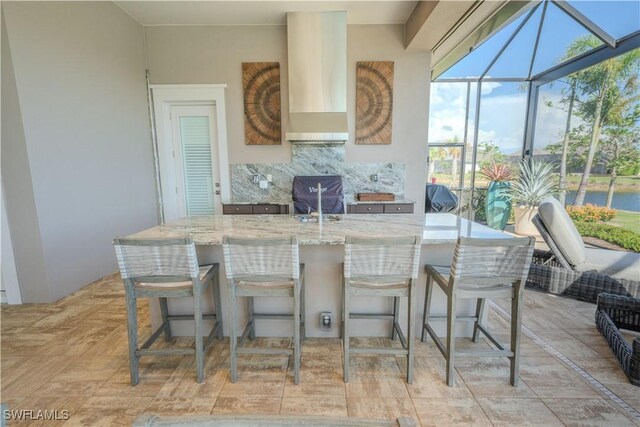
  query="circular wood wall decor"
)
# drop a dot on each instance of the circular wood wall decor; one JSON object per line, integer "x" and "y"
{"x": 261, "y": 83}
{"x": 374, "y": 102}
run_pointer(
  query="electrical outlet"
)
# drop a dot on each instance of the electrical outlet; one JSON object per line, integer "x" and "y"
{"x": 256, "y": 179}
{"x": 270, "y": 178}
{"x": 325, "y": 320}
{"x": 374, "y": 177}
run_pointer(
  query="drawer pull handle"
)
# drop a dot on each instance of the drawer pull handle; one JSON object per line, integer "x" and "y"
{"x": 266, "y": 209}
{"x": 237, "y": 209}
{"x": 368, "y": 209}
{"x": 397, "y": 209}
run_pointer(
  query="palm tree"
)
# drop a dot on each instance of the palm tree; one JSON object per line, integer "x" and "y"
{"x": 599, "y": 92}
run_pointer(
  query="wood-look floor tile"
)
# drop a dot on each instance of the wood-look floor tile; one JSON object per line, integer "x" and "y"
{"x": 386, "y": 408}
{"x": 82, "y": 377}
{"x": 450, "y": 412}
{"x": 154, "y": 373}
{"x": 108, "y": 411}
{"x": 258, "y": 388}
{"x": 265, "y": 368}
{"x": 322, "y": 347}
{"x": 329, "y": 406}
{"x": 367, "y": 367}
{"x": 504, "y": 411}
{"x": 314, "y": 389}
{"x": 326, "y": 368}
{"x": 587, "y": 412}
{"x": 24, "y": 379}
{"x": 246, "y": 406}
{"x": 547, "y": 377}
{"x": 430, "y": 381}
{"x": 182, "y": 383}
{"x": 377, "y": 387}
{"x": 489, "y": 377}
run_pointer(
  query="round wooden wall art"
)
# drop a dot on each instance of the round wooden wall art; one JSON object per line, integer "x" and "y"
{"x": 374, "y": 102}
{"x": 261, "y": 83}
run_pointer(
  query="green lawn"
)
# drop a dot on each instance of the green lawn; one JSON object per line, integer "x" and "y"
{"x": 628, "y": 220}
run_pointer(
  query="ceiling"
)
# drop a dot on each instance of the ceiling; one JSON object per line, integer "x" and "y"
{"x": 261, "y": 12}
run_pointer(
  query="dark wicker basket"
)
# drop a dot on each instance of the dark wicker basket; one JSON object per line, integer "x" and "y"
{"x": 615, "y": 312}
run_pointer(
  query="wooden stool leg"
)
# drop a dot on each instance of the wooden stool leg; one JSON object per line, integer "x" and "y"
{"x": 396, "y": 312}
{"x": 427, "y": 307}
{"x": 132, "y": 329}
{"x": 296, "y": 333}
{"x": 218, "y": 303}
{"x": 199, "y": 345}
{"x": 411, "y": 332}
{"x": 345, "y": 332}
{"x": 516, "y": 330}
{"x": 164, "y": 310}
{"x": 252, "y": 320}
{"x": 479, "y": 311}
{"x": 451, "y": 338}
{"x": 233, "y": 333}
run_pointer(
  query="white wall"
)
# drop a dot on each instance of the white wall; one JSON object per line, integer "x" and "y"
{"x": 80, "y": 84}
{"x": 214, "y": 54}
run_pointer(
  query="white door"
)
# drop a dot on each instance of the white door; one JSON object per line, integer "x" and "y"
{"x": 196, "y": 159}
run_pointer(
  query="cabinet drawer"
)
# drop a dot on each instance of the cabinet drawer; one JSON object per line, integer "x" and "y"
{"x": 236, "y": 209}
{"x": 266, "y": 209}
{"x": 398, "y": 208}
{"x": 368, "y": 208}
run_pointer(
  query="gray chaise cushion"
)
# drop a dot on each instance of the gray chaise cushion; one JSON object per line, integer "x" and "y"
{"x": 624, "y": 265}
{"x": 564, "y": 232}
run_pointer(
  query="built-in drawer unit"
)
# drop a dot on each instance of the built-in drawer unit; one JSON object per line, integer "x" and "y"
{"x": 379, "y": 208}
{"x": 369, "y": 208}
{"x": 262, "y": 208}
{"x": 398, "y": 208}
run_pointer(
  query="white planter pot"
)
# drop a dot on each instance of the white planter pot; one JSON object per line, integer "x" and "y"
{"x": 523, "y": 225}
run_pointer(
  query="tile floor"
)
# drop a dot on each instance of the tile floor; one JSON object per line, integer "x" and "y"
{"x": 72, "y": 355}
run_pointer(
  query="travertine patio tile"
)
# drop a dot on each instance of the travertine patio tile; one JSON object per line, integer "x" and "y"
{"x": 380, "y": 408}
{"x": 329, "y": 406}
{"x": 108, "y": 411}
{"x": 450, "y": 412}
{"x": 587, "y": 412}
{"x": 548, "y": 378}
{"x": 504, "y": 411}
{"x": 377, "y": 387}
{"x": 489, "y": 377}
{"x": 247, "y": 406}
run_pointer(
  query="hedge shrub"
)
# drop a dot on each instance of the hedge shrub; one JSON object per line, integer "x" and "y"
{"x": 610, "y": 233}
{"x": 590, "y": 213}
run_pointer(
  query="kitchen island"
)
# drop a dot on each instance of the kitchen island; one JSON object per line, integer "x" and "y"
{"x": 322, "y": 252}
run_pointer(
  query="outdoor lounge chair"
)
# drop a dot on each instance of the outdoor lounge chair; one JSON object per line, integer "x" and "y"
{"x": 571, "y": 269}
{"x": 616, "y": 312}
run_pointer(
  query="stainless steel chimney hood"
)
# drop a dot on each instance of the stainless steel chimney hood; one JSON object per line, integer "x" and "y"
{"x": 317, "y": 50}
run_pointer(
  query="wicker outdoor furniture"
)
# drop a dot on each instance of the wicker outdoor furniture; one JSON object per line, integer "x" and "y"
{"x": 381, "y": 267}
{"x": 167, "y": 268}
{"x": 615, "y": 312}
{"x": 570, "y": 269}
{"x": 481, "y": 269}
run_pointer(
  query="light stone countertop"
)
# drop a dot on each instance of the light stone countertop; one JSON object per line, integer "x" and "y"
{"x": 434, "y": 228}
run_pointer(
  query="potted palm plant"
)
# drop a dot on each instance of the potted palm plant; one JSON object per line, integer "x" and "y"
{"x": 498, "y": 199}
{"x": 536, "y": 181}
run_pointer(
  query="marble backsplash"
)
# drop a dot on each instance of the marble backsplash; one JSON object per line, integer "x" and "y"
{"x": 314, "y": 160}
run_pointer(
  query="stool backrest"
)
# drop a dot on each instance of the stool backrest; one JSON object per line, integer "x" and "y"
{"x": 491, "y": 262}
{"x": 157, "y": 260}
{"x": 382, "y": 257}
{"x": 273, "y": 257}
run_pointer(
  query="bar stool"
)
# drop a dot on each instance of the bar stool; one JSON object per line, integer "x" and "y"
{"x": 381, "y": 267}
{"x": 264, "y": 268}
{"x": 481, "y": 268}
{"x": 166, "y": 268}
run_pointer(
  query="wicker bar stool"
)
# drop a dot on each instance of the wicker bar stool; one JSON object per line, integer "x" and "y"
{"x": 381, "y": 267}
{"x": 166, "y": 268}
{"x": 481, "y": 268}
{"x": 264, "y": 268}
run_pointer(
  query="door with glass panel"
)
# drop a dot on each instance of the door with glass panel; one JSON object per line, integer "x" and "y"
{"x": 195, "y": 153}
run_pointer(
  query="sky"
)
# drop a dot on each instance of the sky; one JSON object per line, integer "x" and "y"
{"x": 503, "y": 105}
